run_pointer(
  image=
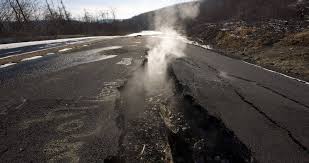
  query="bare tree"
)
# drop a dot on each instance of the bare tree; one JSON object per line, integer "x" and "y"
{"x": 60, "y": 14}
{"x": 113, "y": 13}
{"x": 55, "y": 13}
{"x": 6, "y": 16}
{"x": 21, "y": 9}
{"x": 50, "y": 11}
{"x": 49, "y": 17}
{"x": 87, "y": 17}
{"x": 36, "y": 11}
{"x": 3, "y": 13}
{"x": 104, "y": 15}
{"x": 4, "y": 10}
{"x": 24, "y": 10}
{"x": 66, "y": 13}
{"x": 16, "y": 12}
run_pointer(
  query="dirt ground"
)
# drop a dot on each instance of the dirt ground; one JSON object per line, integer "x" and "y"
{"x": 279, "y": 45}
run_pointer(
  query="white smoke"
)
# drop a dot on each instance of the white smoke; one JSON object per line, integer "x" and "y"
{"x": 163, "y": 51}
{"x": 164, "y": 48}
{"x": 169, "y": 21}
{"x": 175, "y": 16}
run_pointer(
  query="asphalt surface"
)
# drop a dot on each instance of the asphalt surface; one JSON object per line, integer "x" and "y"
{"x": 88, "y": 106}
{"x": 62, "y": 107}
{"x": 266, "y": 111}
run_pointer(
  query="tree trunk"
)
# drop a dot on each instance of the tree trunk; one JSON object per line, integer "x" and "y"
{"x": 22, "y": 11}
{"x": 16, "y": 12}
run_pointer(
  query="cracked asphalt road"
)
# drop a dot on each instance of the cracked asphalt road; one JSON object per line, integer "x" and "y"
{"x": 68, "y": 107}
{"x": 63, "y": 107}
{"x": 268, "y": 112}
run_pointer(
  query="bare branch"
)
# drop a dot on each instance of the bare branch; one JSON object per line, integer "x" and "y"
{"x": 113, "y": 13}
{"x": 21, "y": 9}
{"x": 66, "y": 13}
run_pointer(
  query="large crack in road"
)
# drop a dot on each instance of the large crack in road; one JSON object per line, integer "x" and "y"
{"x": 196, "y": 136}
{"x": 142, "y": 136}
{"x": 169, "y": 126}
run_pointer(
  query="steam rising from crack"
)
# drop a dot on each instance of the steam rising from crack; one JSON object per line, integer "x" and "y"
{"x": 164, "y": 48}
{"x": 169, "y": 21}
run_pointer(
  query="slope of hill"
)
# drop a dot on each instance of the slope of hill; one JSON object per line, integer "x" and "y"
{"x": 224, "y": 10}
{"x": 273, "y": 34}
{"x": 216, "y": 10}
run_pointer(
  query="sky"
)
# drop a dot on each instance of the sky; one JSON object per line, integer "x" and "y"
{"x": 124, "y": 8}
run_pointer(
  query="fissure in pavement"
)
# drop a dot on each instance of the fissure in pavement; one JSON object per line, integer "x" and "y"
{"x": 175, "y": 128}
{"x": 201, "y": 137}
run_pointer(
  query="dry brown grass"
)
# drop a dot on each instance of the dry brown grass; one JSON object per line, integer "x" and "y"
{"x": 289, "y": 60}
{"x": 299, "y": 39}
